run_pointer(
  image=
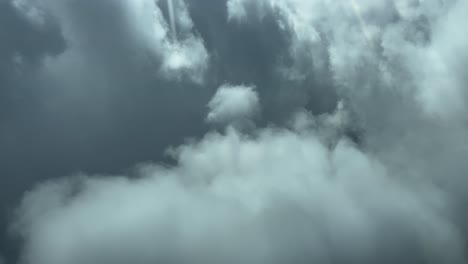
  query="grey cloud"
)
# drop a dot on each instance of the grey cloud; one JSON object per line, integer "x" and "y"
{"x": 117, "y": 88}
{"x": 23, "y": 46}
{"x": 80, "y": 89}
{"x": 136, "y": 34}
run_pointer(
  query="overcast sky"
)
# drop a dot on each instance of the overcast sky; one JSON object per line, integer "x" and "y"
{"x": 233, "y": 131}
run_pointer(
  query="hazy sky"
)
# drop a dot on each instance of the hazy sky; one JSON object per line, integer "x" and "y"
{"x": 248, "y": 131}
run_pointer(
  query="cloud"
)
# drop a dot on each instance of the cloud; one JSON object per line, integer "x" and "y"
{"x": 23, "y": 46}
{"x": 187, "y": 59}
{"x": 349, "y": 36}
{"x": 280, "y": 196}
{"x": 233, "y": 104}
{"x": 394, "y": 65}
{"x": 139, "y": 26}
{"x": 257, "y": 53}
{"x": 81, "y": 78}
{"x": 442, "y": 85}
{"x": 358, "y": 155}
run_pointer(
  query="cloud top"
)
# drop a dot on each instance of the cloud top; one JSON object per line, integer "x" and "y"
{"x": 232, "y": 104}
{"x": 279, "y": 197}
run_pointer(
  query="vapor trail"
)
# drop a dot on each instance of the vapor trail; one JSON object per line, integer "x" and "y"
{"x": 170, "y": 7}
{"x": 362, "y": 22}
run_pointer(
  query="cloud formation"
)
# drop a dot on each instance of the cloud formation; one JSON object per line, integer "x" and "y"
{"x": 279, "y": 196}
{"x": 139, "y": 26}
{"x": 416, "y": 37}
{"x": 233, "y": 104}
{"x": 355, "y": 151}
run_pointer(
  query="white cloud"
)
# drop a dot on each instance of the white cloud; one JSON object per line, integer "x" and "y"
{"x": 233, "y": 104}
{"x": 241, "y": 9}
{"x": 188, "y": 58}
{"x": 396, "y": 64}
{"x": 354, "y": 38}
{"x": 442, "y": 84}
{"x": 280, "y": 196}
{"x": 236, "y": 9}
{"x": 329, "y": 127}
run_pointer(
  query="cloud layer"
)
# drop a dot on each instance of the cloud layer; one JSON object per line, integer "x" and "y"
{"x": 279, "y": 196}
{"x": 354, "y": 153}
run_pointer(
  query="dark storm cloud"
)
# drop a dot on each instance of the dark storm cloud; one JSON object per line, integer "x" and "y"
{"x": 24, "y": 42}
{"x": 105, "y": 88}
{"x": 23, "y": 46}
{"x": 81, "y": 92}
{"x": 95, "y": 89}
{"x": 65, "y": 106}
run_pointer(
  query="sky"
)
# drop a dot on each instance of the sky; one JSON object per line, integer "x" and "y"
{"x": 233, "y": 131}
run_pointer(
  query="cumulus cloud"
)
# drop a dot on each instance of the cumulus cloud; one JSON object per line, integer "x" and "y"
{"x": 280, "y": 196}
{"x": 392, "y": 62}
{"x": 233, "y": 104}
{"x": 349, "y": 36}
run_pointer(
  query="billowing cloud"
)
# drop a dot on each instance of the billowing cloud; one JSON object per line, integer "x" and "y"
{"x": 280, "y": 196}
{"x": 233, "y": 104}
{"x": 443, "y": 86}
{"x": 390, "y": 62}
{"x": 349, "y": 36}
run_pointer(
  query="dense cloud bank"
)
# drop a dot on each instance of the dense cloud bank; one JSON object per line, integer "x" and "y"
{"x": 320, "y": 131}
{"x": 278, "y": 196}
